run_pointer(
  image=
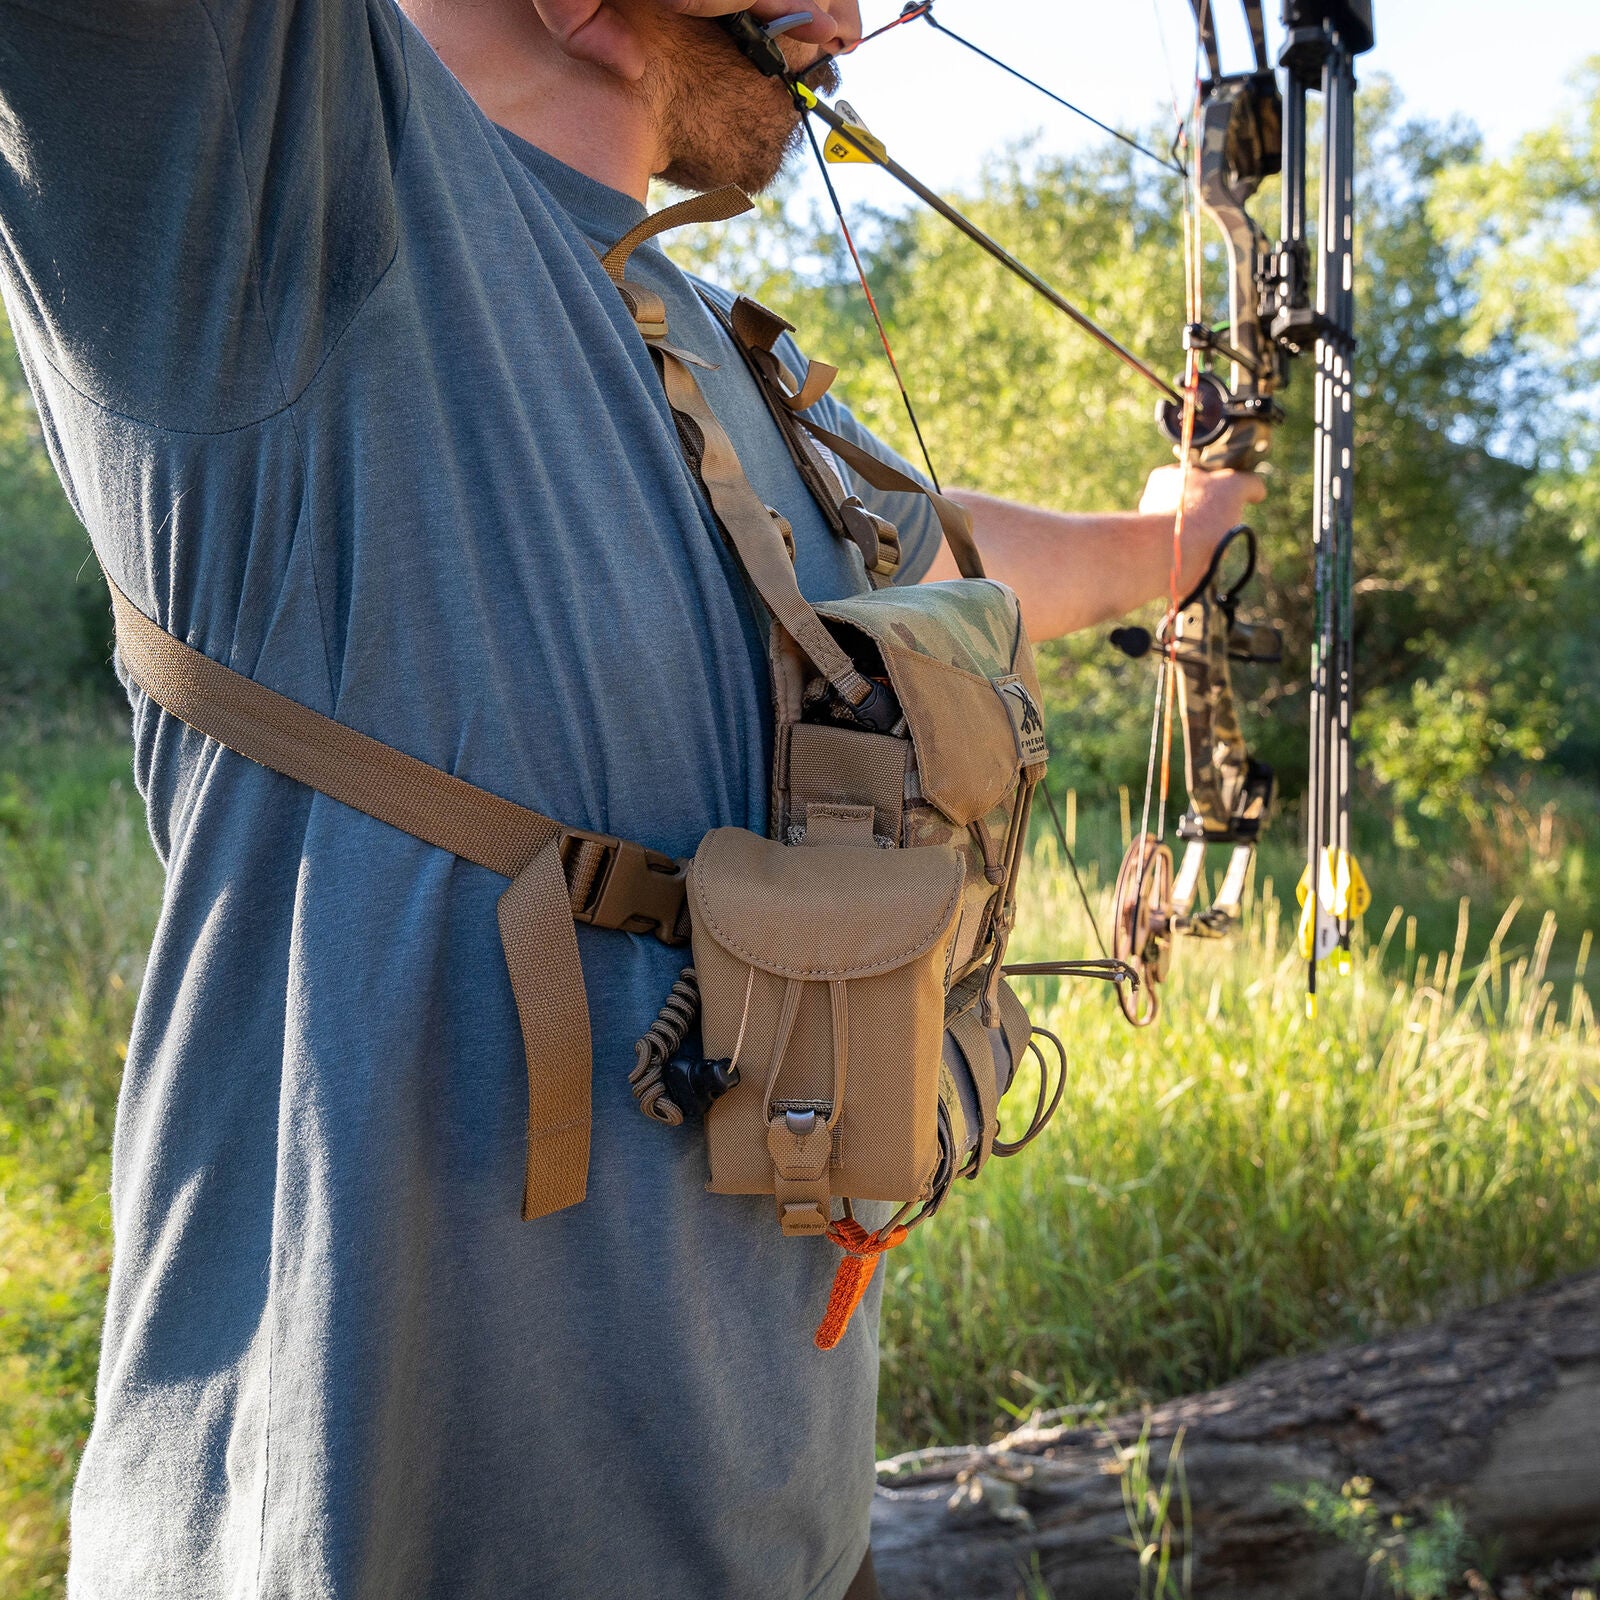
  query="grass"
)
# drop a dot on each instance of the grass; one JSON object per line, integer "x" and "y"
{"x": 1234, "y": 1184}
{"x": 1238, "y": 1182}
{"x": 79, "y": 887}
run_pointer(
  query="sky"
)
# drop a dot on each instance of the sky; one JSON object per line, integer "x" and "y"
{"x": 941, "y": 110}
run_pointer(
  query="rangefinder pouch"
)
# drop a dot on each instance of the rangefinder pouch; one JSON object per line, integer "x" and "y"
{"x": 850, "y": 967}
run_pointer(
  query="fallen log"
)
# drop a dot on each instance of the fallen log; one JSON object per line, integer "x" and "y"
{"x": 1496, "y": 1411}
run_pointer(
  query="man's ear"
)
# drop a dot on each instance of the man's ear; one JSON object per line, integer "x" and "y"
{"x": 595, "y": 31}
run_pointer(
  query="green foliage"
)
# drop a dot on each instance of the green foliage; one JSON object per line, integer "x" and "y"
{"x": 55, "y": 633}
{"x": 1238, "y": 1182}
{"x": 79, "y": 887}
{"x": 1475, "y": 536}
{"x": 1234, "y": 1184}
{"x": 1530, "y": 225}
{"x": 1423, "y": 1559}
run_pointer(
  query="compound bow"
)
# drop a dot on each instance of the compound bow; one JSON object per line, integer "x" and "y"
{"x": 1242, "y": 130}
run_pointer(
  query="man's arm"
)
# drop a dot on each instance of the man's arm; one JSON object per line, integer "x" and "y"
{"x": 194, "y": 194}
{"x": 1077, "y": 570}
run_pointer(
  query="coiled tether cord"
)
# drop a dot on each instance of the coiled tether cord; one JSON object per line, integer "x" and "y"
{"x": 660, "y": 1044}
{"x": 665, "y": 1036}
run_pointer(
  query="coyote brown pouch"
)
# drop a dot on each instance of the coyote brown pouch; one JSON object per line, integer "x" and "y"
{"x": 822, "y": 975}
{"x": 850, "y": 968}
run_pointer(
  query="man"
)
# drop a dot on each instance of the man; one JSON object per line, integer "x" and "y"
{"x": 307, "y": 291}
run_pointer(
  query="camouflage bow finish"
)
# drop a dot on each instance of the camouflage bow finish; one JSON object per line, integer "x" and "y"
{"x": 1239, "y": 143}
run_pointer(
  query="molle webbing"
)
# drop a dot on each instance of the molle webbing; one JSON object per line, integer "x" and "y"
{"x": 559, "y": 875}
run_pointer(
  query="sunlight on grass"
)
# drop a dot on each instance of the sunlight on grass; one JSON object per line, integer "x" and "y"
{"x": 1239, "y": 1183}
{"x": 79, "y": 887}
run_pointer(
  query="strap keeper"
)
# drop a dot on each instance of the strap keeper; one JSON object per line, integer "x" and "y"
{"x": 877, "y": 539}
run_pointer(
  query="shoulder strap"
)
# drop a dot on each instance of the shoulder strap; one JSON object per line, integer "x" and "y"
{"x": 750, "y": 527}
{"x": 756, "y": 332}
{"x": 559, "y": 874}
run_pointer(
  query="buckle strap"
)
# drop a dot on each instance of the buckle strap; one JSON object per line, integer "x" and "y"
{"x": 559, "y": 875}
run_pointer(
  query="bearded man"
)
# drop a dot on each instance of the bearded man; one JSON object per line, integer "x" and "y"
{"x": 308, "y": 294}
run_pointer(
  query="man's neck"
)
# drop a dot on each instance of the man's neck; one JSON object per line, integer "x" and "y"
{"x": 579, "y": 114}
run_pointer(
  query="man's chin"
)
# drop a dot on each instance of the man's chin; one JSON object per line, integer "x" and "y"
{"x": 745, "y": 134}
{"x": 823, "y": 78}
{"x": 750, "y": 168}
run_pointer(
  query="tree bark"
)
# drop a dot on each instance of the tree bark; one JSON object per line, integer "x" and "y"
{"x": 1495, "y": 1410}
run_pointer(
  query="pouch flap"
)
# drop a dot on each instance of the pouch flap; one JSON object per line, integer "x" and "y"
{"x": 827, "y": 912}
{"x": 953, "y": 652}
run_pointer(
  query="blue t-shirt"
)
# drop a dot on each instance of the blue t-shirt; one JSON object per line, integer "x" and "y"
{"x": 332, "y": 375}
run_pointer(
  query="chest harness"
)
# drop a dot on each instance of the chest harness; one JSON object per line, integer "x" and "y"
{"x": 856, "y": 1030}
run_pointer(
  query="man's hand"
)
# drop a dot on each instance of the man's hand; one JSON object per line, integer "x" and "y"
{"x": 1078, "y": 570}
{"x": 606, "y": 32}
{"x": 1215, "y": 503}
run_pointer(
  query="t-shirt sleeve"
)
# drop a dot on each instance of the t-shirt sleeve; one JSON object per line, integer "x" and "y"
{"x": 912, "y": 514}
{"x": 196, "y": 196}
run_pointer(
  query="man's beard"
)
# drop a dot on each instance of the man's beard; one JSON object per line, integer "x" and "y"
{"x": 724, "y": 122}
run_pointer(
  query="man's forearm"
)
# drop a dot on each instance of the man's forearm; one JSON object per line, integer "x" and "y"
{"x": 1070, "y": 570}
{"x": 1078, "y": 570}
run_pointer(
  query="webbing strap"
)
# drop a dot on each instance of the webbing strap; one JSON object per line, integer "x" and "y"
{"x": 558, "y": 874}
{"x": 336, "y": 760}
{"x": 541, "y": 946}
{"x": 750, "y": 527}
{"x": 756, "y": 331}
{"x": 954, "y": 520}
{"x": 717, "y": 205}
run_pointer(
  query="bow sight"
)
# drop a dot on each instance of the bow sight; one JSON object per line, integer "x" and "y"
{"x": 1247, "y": 128}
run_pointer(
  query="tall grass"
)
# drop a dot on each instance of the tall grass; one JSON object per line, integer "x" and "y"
{"x": 79, "y": 887}
{"x": 1239, "y": 1182}
{"x": 1233, "y": 1184}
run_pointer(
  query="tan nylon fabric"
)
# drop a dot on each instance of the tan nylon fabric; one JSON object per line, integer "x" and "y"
{"x": 302, "y": 744}
{"x": 757, "y": 330}
{"x": 954, "y": 520}
{"x": 832, "y": 912}
{"x": 754, "y": 330}
{"x": 845, "y": 766}
{"x": 535, "y": 913}
{"x": 541, "y": 946}
{"x": 973, "y": 1040}
{"x": 718, "y": 205}
{"x": 752, "y": 531}
{"x": 839, "y": 825}
{"x": 879, "y": 923}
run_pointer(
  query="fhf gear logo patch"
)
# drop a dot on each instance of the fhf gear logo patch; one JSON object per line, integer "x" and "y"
{"x": 1026, "y": 721}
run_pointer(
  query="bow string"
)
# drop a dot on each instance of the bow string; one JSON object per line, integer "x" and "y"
{"x": 1219, "y": 414}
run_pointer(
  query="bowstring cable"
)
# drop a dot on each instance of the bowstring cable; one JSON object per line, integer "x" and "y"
{"x": 911, "y": 412}
{"x": 1164, "y": 717}
{"x": 1050, "y": 94}
{"x": 924, "y": 13}
{"x": 1163, "y": 720}
{"x": 1072, "y": 862}
{"x": 910, "y": 14}
{"x": 866, "y": 289}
